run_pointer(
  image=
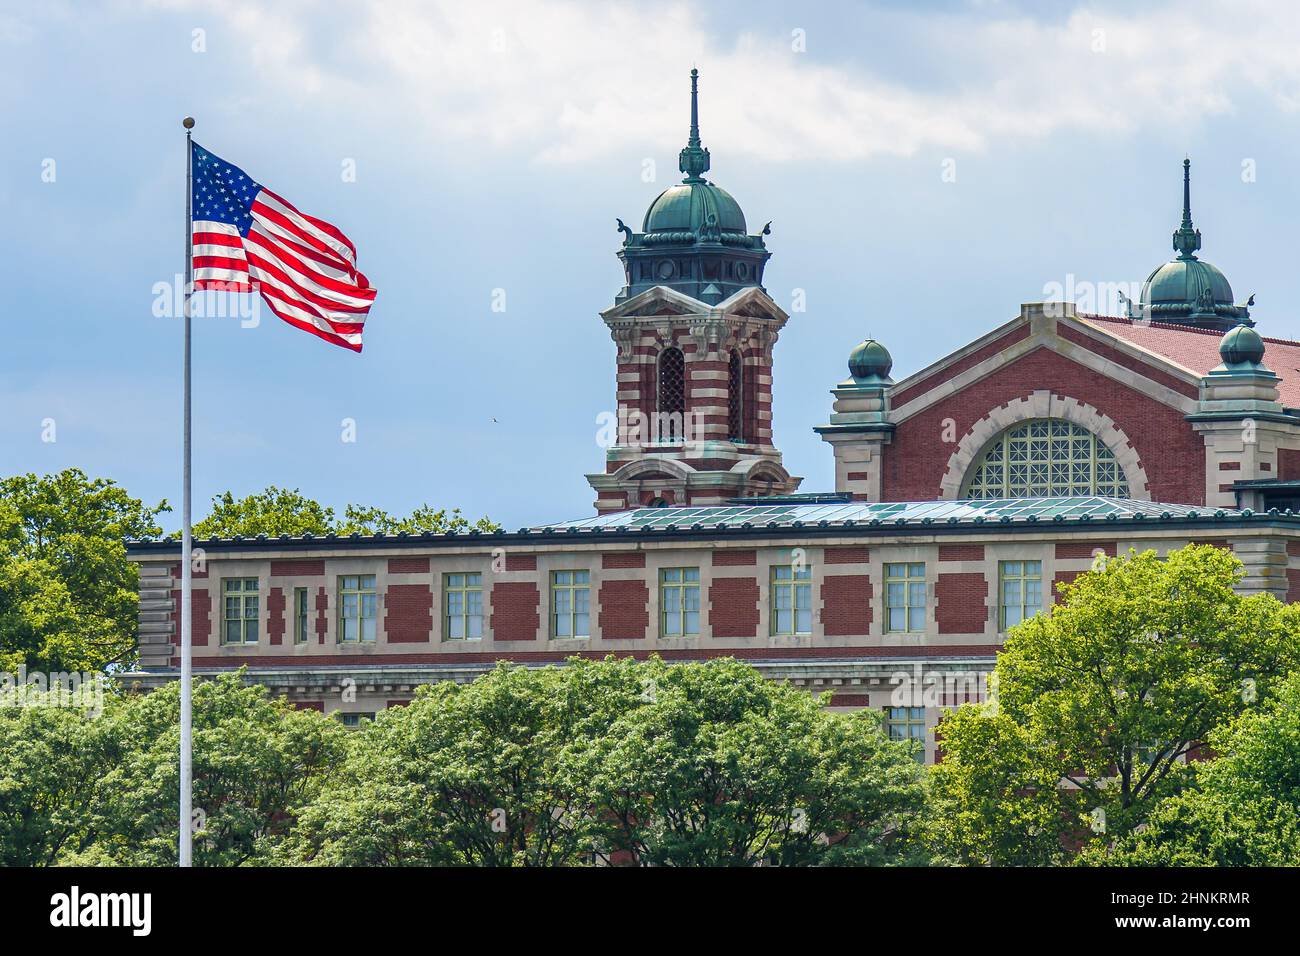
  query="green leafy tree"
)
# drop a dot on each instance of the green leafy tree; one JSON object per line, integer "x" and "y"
{"x": 272, "y": 512}
{"x": 276, "y": 511}
{"x": 1244, "y": 806}
{"x": 466, "y": 774}
{"x": 364, "y": 520}
{"x": 256, "y": 763}
{"x": 1105, "y": 696}
{"x": 618, "y": 761}
{"x": 68, "y": 595}
{"x": 50, "y": 759}
{"x": 718, "y": 766}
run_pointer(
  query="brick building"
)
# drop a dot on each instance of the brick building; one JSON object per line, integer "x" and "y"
{"x": 963, "y": 493}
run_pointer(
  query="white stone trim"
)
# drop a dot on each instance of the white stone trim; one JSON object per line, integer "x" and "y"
{"x": 1043, "y": 404}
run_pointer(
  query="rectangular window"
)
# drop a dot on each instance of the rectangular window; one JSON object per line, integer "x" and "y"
{"x": 907, "y": 723}
{"x": 357, "y": 606}
{"x": 679, "y": 602}
{"x": 791, "y": 599}
{"x": 241, "y": 611}
{"x": 462, "y": 606}
{"x": 353, "y": 721}
{"x": 905, "y": 597}
{"x": 1020, "y": 589}
{"x": 570, "y": 604}
{"x": 301, "y": 615}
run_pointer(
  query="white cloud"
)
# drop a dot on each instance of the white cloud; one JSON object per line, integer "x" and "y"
{"x": 565, "y": 81}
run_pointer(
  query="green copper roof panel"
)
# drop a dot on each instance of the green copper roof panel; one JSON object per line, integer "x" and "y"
{"x": 862, "y": 512}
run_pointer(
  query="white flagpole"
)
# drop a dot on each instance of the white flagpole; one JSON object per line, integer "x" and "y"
{"x": 187, "y": 582}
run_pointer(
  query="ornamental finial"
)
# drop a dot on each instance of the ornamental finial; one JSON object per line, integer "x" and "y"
{"x": 1187, "y": 239}
{"x": 694, "y": 159}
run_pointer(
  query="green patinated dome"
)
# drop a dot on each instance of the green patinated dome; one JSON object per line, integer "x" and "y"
{"x": 1241, "y": 346}
{"x": 1185, "y": 287}
{"x": 1188, "y": 290}
{"x": 694, "y": 237}
{"x": 690, "y": 206}
{"x": 870, "y": 360}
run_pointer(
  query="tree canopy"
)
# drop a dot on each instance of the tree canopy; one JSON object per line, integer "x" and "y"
{"x": 276, "y": 511}
{"x": 68, "y": 595}
{"x": 617, "y": 761}
{"x": 1100, "y": 702}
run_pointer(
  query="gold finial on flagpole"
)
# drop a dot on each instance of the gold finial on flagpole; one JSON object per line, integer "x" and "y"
{"x": 188, "y": 122}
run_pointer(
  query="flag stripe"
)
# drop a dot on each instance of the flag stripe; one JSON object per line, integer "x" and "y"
{"x": 247, "y": 238}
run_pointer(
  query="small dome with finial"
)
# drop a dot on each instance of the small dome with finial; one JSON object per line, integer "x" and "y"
{"x": 1188, "y": 290}
{"x": 1241, "y": 346}
{"x": 870, "y": 360}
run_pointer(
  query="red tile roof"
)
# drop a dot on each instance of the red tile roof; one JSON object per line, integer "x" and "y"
{"x": 1197, "y": 350}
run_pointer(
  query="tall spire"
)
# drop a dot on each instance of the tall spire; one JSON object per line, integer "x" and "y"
{"x": 1187, "y": 239}
{"x": 694, "y": 159}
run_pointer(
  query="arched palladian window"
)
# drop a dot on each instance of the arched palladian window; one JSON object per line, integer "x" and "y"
{"x": 670, "y": 418}
{"x": 1046, "y": 458}
{"x": 736, "y": 398}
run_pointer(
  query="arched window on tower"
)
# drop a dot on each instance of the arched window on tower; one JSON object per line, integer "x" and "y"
{"x": 736, "y": 398}
{"x": 1046, "y": 458}
{"x": 671, "y": 413}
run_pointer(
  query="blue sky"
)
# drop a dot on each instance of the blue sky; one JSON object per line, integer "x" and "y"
{"x": 495, "y": 143}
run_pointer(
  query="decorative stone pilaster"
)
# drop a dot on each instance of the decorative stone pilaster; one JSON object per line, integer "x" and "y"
{"x": 1242, "y": 423}
{"x": 860, "y": 428}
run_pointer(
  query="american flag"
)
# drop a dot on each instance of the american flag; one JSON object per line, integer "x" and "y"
{"x": 248, "y": 239}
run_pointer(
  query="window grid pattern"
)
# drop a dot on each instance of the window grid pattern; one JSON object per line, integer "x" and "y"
{"x": 1020, "y": 584}
{"x": 735, "y": 398}
{"x": 462, "y": 604}
{"x": 241, "y": 611}
{"x": 905, "y": 598}
{"x": 791, "y": 596}
{"x": 358, "y": 602}
{"x": 679, "y": 602}
{"x": 907, "y": 724}
{"x": 1047, "y": 458}
{"x": 570, "y": 604}
{"x": 672, "y": 395}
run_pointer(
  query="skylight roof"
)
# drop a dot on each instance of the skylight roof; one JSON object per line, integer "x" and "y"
{"x": 999, "y": 510}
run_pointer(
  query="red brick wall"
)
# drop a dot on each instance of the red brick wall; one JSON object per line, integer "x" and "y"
{"x": 1083, "y": 550}
{"x": 275, "y": 615}
{"x": 734, "y": 559}
{"x": 1062, "y": 577}
{"x": 622, "y": 559}
{"x": 847, "y": 555}
{"x": 846, "y": 604}
{"x": 959, "y": 603}
{"x": 408, "y": 565}
{"x": 1292, "y": 585}
{"x": 1288, "y": 464}
{"x": 322, "y": 615}
{"x": 979, "y": 355}
{"x": 1170, "y": 452}
{"x": 318, "y": 705}
{"x": 733, "y": 605}
{"x": 200, "y": 616}
{"x": 514, "y": 609}
{"x": 1187, "y": 388}
{"x": 624, "y": 610}
{"x": 408, "y": 613}
{"x": 961, "y": 552}
{"x": 284, "y": 569}
{"x": 521, "y": 562}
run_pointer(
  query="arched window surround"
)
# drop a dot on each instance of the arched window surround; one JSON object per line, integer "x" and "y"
{"x": 1043, "y": 403}
{"x": 1045, "y": 457}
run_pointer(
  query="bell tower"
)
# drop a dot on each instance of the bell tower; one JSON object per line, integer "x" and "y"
{"x": 694, "y": 329}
